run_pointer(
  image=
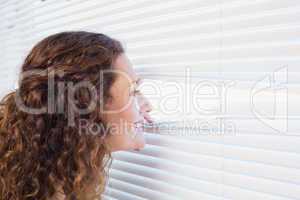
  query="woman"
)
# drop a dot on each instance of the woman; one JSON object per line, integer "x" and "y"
{"x": 77, "y": 102}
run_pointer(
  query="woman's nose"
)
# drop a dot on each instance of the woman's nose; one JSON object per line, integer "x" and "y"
{"x": 144, "y": 104}
{"x": 145, "y": 107}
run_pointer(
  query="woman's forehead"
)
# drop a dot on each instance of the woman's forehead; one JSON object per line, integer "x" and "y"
{"x": 124, "y": 69}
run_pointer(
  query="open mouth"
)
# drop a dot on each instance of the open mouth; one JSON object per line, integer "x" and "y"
{"x": 143, "y": 126}
{"x": 139, "y": 125}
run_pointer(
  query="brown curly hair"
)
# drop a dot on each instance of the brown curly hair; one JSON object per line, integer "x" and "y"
{"x": 40, "y": 149}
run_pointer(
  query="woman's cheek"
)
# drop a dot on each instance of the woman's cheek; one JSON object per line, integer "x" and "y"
{"x": 123, "y": 135}
{"x": 131, "y": 113}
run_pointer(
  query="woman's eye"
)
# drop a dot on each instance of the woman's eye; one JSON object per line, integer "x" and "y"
{"x": 136, "y": 92}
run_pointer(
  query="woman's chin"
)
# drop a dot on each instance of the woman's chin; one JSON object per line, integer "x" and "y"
{"x": 139, "y": 141}
{"x": 133, "y": 140}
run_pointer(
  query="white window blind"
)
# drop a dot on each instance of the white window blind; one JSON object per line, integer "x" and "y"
{"x": 252, "y": 44}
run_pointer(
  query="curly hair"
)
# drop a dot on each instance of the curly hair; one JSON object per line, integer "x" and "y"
{"x": 40, "y": 149}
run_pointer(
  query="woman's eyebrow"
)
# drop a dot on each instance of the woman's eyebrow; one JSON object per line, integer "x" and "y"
{"x": 138, "y": 81}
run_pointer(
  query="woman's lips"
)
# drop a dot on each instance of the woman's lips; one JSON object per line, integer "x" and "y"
{"x": 139, "y": 130}
{"x": 148, "y": 118}
{"x": 138, "y": 126}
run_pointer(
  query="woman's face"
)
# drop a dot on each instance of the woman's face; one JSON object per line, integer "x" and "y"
{"x": 126, "y": 110}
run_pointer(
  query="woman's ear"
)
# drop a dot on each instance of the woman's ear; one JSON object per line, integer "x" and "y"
{"x": 108, "y": 102}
